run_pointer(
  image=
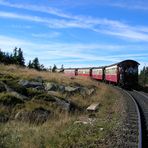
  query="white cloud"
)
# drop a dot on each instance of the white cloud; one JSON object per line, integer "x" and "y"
{"x": 21, "y": 26}
{"x": 65, "y": 20}
{"x": 134, "y": 5}
{"x": 105, "y": 26}
{"x": 46, "y": 35}
{"x": 68, "y": 54}
{"x": 52, "y": 23}
{"x": 40, "y": 8}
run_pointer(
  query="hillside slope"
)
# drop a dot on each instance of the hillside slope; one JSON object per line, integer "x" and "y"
{"x": 42, "y": 109}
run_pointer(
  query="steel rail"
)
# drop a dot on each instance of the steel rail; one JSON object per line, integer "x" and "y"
{"x": 139, "y": 116}
{"x": 141, "y": 94}
{"x": 139, "y": 119}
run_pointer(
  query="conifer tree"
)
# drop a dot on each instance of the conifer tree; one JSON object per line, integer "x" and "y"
{"x": 15, "y": 54}
{"x": 20, "y": 58}
{"x": 54, "y": 68}
{"x": 143, "y": 77}
{"x": 30, "y": 64}
{"x": 62, "y": 68}
{"x": 36, "y": 64}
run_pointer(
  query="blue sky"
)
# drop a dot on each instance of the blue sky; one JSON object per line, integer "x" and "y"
{"x": 80, "y": 33}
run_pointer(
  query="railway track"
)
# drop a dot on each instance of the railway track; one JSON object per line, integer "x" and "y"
{"x": 131, "y": 131}
{"x": 135, "y": 127}
{"x": 142, "y": 101}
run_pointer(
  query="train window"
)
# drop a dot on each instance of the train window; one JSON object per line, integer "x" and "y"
{"x": 97, "y": 71}
{"x": 111, "y": 71}
{"x": 83, "y": 71}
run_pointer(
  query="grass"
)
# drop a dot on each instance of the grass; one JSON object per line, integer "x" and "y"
{"x": 60, "y": 130}
{"x": 15, "y": 72}
{"x": 8, "y": 99}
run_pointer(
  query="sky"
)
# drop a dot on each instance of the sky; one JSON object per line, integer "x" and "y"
{"x": 78, "y": 33}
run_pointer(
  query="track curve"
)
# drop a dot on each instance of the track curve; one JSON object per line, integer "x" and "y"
{"x": 132, "y": 127}
{"x": 142, "y": 101}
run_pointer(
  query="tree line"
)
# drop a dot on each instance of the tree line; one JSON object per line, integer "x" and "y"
{"x": 17, "y": 58}
{"x": 143, "y": 77}
{"x": 14, "y": 58}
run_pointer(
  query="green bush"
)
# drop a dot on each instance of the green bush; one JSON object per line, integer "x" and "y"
{"x": 8, "y": 99}
{"x": 2, "y": 87}
{"x": 31, "y": 92}
{"x": 16, "y": 87}
{"x": 44, "y": 97}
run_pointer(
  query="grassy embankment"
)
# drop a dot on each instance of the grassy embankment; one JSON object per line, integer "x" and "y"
{"x": 60, "y": 130}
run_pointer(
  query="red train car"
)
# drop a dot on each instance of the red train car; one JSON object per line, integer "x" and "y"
{"x": 124, "y": 73}
{"x": 112, "y": 74}
{"x": 84, "y": 72}
{"x": 70, "y": 71}
{"x": 98, "y": 73}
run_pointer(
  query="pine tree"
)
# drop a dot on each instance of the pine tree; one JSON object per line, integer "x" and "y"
{"x": 54, "y": 68}
{"x": 143, "y": 77}
{"x": 62, "y": 68}
{"x": 30, "y": 64}
{"x": 1, "y": 56}
{"x": 36, "y": 64}
{"x": 15, "y": 56}
{"x": 20, "y": 58}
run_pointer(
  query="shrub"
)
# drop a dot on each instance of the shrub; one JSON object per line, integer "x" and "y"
{"x": 2, "y": 87}
{"x": 9, "y": 100}
{"x": 31, "y": 92}
{"x": 44, "y": 97}
{"x": 16, "y": 87}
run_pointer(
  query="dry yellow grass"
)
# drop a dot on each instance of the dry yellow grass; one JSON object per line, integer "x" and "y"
{"x": 48, "y": 76}
{"x": 60, "y": 130}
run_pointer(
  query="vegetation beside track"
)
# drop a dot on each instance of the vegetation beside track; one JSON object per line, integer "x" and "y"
{"x": 76, "y": 128}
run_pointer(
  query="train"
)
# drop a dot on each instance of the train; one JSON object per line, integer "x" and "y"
{"x": 124, "y": 73}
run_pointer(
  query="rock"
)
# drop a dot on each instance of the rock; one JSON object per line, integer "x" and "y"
{"x": 61, "y": 88}
{"x": 63, "y": 103}
{"x": 22, "y": 115}
{"x": 23, "y": 82}
{"x": 53, "y": 93}
{"x": 3, "y": 118}
{"x": 19, "y": 96}
{"x": 71, "y": 89}
{"x": 37, "y": 116}
{"x": 33, "y": 84}
{"x": 10, "y": 100}
{"x": 90, "y": 91}
{"x": 2, "y": 87}
{"x": 86, "y": 91}
{"x": 101, "y": 129}
{"x": 38, "y": 79}
{"x": 51, "y": 86}
{"x": 81, "y": 122}
{"x": 40, "y": 115}
{"x": 93, "y": 107}
{"x": 16, "y": 94}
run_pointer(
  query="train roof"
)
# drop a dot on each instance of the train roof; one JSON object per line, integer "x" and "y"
{"x": 91, "y": 67}
{"x": 119, "y": 64}
{"x": 70, "y": 68}
{"x": 101, "y": 67}
{"x": 85, "y": 68}
{"x": 124, "y": 62}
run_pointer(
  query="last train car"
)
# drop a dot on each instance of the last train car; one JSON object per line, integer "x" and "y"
{"x": 124, "y": 73}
